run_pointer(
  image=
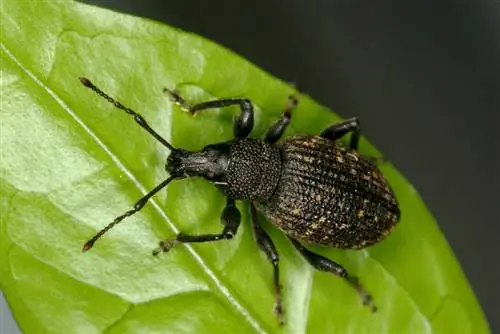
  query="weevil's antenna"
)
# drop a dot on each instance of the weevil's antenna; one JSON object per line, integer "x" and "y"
{"x": 137, "y": 207}
{"x": 137, "y": 117}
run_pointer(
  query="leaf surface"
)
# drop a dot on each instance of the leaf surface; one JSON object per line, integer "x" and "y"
{"x": 70, "y": 163}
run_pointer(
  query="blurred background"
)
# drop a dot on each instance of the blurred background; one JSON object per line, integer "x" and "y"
{"x": 422, "y": 76}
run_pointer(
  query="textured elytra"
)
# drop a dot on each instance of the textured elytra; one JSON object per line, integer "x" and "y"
{"x": 329, "y": 194}
{"x": 253, "y": 171}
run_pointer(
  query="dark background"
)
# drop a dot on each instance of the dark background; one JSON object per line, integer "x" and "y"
{"x": 420, "y": 75}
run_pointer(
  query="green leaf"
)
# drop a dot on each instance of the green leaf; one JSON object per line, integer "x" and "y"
{"x": 70, "y": 163}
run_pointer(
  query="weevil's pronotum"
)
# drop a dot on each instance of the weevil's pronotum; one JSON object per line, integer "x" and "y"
{"x": 313, "y": 188}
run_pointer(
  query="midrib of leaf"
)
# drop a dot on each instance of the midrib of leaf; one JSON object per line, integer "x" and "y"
{"x": 209, "y": 272}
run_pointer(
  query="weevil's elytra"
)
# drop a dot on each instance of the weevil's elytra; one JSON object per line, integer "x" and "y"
{"x": 314, "y": 189}
{"x": 316, "y": 171}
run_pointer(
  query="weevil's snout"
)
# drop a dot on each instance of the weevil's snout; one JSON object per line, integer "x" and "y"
{"x": 175, "y": 165}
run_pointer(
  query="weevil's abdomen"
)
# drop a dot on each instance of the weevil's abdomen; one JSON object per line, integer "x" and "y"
{"x": 329, "y": 194}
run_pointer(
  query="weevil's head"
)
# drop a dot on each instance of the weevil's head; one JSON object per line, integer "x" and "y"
{"x": 211, "y": 162}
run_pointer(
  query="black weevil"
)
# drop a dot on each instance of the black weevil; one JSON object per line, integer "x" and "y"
{"x": 312, "y": 188}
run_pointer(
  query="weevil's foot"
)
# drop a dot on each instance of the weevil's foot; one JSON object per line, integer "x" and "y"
{"x": 366, "y": 298}
{"x": 292, "y": 103}
{"x": 179, "y": 100}
{"x": 278, "y": 310}
{"x": 165, "y": 246}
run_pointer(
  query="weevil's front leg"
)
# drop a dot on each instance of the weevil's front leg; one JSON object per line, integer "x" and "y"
{"x": 243, "y": 124}
{"x": 323, "y": 264}
{"x": 230, "y": 218}
{"x": 277, "y": 130}
{"x": 337, "y": 131}
{"x": 267, "y": 246}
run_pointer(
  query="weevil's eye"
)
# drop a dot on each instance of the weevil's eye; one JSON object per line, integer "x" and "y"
{"x": 211, "y": 176}
{"x": 217, "y": 156}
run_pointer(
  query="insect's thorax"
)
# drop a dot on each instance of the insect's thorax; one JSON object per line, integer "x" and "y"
{"x": 253, "y": 171}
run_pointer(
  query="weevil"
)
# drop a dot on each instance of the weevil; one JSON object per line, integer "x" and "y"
{"x": 315, "y": 189}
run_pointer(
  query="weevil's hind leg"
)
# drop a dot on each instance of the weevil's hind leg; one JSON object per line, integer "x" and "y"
{"x": 267, "y": 246}
{"x": 230, "y": 218}
{"x": 277, "y": 130}
{"x": 337, "y": 131}
{"x": 243, "y": 124}
{"x": 323, "y": 264}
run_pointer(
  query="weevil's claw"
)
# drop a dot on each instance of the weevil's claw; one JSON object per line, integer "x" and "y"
{"x": 366, "y": 298}
{"x": 172, "y": 94}
{"x": 165, "y": 246}
{"x": 179, "y": 100}
{"x": 293, "y": 101}
{"x": 278, "y": 310}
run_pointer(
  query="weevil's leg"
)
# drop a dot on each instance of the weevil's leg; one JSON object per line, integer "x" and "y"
{"x": 243, "y": 124}
{"x": 323, "y": 264}
{"x": 277, "y": 130}
{"x": 267, "y": 246}
{"x": 137, "y": 207}
{"x": 230, "y": 218}
{"x": 338, "y": 130}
